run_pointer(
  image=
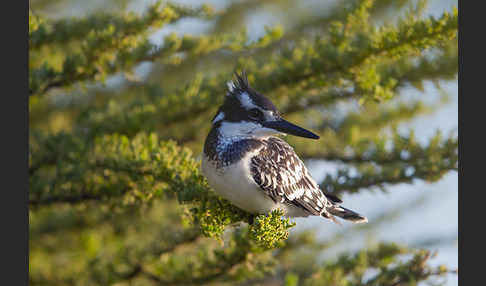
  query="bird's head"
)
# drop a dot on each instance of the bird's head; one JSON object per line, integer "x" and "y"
{"x": 245, "y": 112}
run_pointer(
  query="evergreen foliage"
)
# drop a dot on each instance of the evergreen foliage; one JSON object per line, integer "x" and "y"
{"x": 116, "y": 193}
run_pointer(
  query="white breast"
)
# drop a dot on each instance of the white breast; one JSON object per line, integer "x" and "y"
{"x": 235, "y": 183}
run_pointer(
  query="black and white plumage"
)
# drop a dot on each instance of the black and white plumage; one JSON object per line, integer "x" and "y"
{"x": 247, "y": 164}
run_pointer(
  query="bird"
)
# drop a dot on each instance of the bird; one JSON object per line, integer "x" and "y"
{"x": 246, "y": 162}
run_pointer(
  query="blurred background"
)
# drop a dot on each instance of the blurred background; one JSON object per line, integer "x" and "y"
{"x": 384, "y": 100}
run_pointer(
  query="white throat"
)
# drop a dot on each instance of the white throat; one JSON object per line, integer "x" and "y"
{"x": 245, "y": 129}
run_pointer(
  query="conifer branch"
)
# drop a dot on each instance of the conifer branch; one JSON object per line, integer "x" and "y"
{"x": 127, "y": 206}
{"x": 45, "y": 32}
{"x": 109, "y": 44}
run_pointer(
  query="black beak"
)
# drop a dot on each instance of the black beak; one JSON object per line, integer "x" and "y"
{"x": 284, "y": 126}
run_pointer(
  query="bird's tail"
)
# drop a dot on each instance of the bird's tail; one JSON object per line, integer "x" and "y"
{"x": 346, "y": 214}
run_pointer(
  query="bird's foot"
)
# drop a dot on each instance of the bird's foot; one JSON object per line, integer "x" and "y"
{"x": 251, "y": 219}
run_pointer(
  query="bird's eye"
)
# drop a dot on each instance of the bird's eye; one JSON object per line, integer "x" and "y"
{"x": 255, "y": 113}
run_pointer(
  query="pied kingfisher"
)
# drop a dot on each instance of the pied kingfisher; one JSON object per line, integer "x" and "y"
{"x": 245, "y": 163}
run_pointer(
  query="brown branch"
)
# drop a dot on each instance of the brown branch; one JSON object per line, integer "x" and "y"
{"x": 66, "y": 199}
{"x": 87, "y": 195}
{"x": 218, "y": 270}
{"x": 358, "y": 159}
{"x": 420, "y": 277}
{"x": 379, "y": 182}
{"x": 138, "y": 269}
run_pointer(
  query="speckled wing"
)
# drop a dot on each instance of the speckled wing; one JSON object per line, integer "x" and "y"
{"x": 283, "y": 176}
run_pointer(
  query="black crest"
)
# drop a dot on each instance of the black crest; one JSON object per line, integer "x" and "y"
{"x": 241, "y": 85}
{"x": 232, "y": 107}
